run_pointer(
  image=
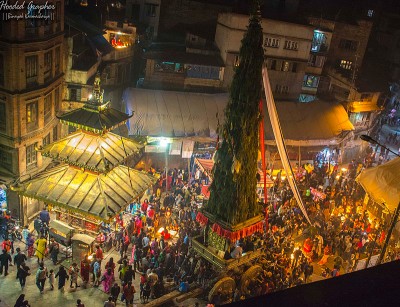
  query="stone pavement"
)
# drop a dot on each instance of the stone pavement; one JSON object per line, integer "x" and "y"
{"x": 11, "y": 289}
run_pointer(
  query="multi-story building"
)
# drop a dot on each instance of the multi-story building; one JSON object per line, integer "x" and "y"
{"x": 193, "y": 66}
{"x": 31, "y": 73}
{"x": 318, "y": 55}
{"x": 286, "y": 47}
{"x": 146, "y": 12}
{"x": 346, "y": 76}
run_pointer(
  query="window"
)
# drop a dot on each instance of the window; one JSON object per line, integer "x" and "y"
{"x": 346, "y": 64}
{"x": 56, "y": 100}
{"x": 55, "y": 133}
{"x": 31, "y": 68}
{"x": 319, "y": 42}
{"x": 6, "y": 158}
{"x": 48, "y": 62}
{"x": 294, "y": 67}
{"x": 46, "y": 140}
{"x": 281, "y": 89}
{"x": 348, "y": 44}
{"x": 306, "y": 98}
{"x": 316, "y": 60}
{"x": 47, "y": 109}
{"x": 1, "y": 70}
{"x": 291, "y": 45}
{"x": 135, "y": 12}
{"x": 310, "y": 81}
{"x": 31, "y": 24}
{"x": 285, "y": 66}
{"x": 3, "y": 117}
{"x": 31, "y": 116}
{"x": 31, "y": 155}
{"x": 202, "y": 72}
{"x": 273, "y": 64}
{"x": 151, "y": 10}
{"x": 169, "y": 67}
{"x": 57, "y": 60}
{"x": 75, "y": 94}
{"x": 271, "y": 42}
{"x": 236, "y": 61}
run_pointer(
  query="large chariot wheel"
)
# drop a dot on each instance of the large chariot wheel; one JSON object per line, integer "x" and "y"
{"x": 249, "y": 278}
{"x": 223, "y": 289}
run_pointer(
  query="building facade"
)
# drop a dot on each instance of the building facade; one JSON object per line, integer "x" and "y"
{"x": 286, "y": 47}
{"x": 146, "y": 12}
{"x": 31, "y": 74}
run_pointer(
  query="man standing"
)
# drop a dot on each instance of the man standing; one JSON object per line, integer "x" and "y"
{"x": 19, "y": 258}
{"x": 41, "y": 277}
{"x": 23, "y": 272}
{"x": 54, "y": 249}
{"x": 129, "y": 292}
{"x": 37, "y": 224}
{"x": 45, "y": 216}
{"x": 115, "y": 290}
{"x": 5, "y": 259}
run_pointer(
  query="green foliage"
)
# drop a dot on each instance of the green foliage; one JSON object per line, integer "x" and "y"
{"x": 233, "y": 190}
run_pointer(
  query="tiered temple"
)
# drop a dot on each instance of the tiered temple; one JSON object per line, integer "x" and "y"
{"x": 90, "y": 184}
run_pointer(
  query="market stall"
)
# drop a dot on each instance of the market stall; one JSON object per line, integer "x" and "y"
{"x": 82, "y": 245}
{"x": 61, "y": 232}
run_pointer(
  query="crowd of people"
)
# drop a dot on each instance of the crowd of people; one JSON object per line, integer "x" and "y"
{"x": 154, "y": 234}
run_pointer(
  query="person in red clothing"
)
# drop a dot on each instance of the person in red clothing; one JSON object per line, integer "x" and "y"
{"x": 85, "y": 270}
{"x": 145, "y": 205}
{"x": 129, "y": 292}
{"x": 127, "y": 241}
{"x": 8, "y": 245}
{"x": 99, "y": 253}
{"x": 150, "y": 216}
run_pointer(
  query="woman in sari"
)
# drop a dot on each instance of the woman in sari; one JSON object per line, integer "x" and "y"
{"x": 107, "y": 280}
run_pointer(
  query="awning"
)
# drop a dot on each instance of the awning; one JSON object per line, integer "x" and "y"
{"x": 81, "y": 237}
{"x": 61, "y": 227}
{"x": 382, "y": 183}
{"x": 100, "y": 196}
{"x": 93, "y": 152}
{"x": 357, "y": 107}
{"x": 206, "y": 166}
{"x": 184, "y": 114}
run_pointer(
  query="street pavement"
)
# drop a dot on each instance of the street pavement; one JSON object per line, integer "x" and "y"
{"x": 11, "y": 289}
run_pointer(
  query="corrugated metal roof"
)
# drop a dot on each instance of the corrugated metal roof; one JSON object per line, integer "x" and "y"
{"x": 98, "y": 153}
{"x": 103, "y": 120}
{"x": 100, "y": 196}
{"x": 183, "y": 114}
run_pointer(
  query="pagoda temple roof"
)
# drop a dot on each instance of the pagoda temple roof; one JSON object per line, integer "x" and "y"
{"x": 96, "y": 121}
{"x": 98, "y": 153}
{"x": 100, "y": 196}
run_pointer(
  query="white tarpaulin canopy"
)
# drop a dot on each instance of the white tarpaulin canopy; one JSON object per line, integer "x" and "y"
{"x": 382, "y": 183}
{"x": 184, "y": 114}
